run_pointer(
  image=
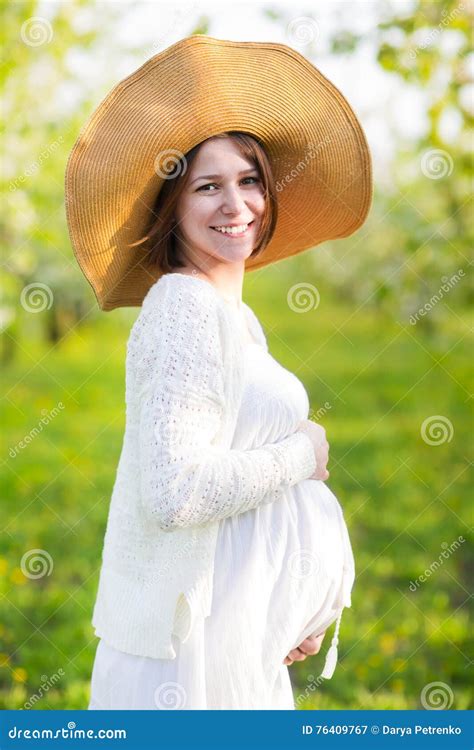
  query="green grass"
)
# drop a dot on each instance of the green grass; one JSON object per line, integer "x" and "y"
{"x": 402, "y": 498}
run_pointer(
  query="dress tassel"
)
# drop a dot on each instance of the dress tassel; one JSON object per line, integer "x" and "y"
{"x": 330, "y": 663}
{"x": 331, "y": 656}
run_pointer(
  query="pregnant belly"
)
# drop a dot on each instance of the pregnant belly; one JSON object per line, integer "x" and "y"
{"x": 279, "y": 568}
{"x": 323, "y": 565}
{"x": 307, "y": 533}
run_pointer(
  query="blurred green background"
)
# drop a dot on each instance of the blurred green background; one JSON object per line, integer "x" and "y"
{"x": 391, "y": 385}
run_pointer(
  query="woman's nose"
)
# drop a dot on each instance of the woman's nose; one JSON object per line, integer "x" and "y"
{"x": 232, "y": 201}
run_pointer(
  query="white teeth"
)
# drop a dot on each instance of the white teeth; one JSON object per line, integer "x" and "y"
{"x": 232, "y": 230}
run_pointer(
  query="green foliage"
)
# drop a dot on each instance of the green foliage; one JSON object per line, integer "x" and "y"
{"x": 420, "y": 229}
{"x": 371, "y": 384}
{"x": 37, "y": 79}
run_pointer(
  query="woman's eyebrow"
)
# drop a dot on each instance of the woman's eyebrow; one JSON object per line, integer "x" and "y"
{"x": 218, "y": 176}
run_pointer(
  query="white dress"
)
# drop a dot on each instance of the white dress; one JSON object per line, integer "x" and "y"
{"x": 282, "y": 571}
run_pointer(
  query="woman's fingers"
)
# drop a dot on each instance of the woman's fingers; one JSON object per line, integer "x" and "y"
{"x": 295, "y": 655}
{"x": 289, "y": 660}
{"x": 322, "y": 458}
{"x": 312, "y": 644}
{"x": 317, "y": 435}
{"x": 309, "y": 647}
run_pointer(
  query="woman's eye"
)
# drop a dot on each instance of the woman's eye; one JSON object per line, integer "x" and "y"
{"x": 213, "y": 184}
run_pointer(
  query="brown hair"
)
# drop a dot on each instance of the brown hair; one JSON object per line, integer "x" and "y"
{"x": 160, "y": 237}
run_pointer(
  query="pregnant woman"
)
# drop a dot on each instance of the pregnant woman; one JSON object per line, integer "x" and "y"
{"x": 226, "y": 557}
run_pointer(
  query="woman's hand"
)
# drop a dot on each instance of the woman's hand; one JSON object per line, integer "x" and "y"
{"x": 317, "y": 435}
{"x": 308, "y": 647}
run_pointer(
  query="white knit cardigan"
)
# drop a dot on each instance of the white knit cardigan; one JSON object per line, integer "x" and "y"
{"x": 177, "y": 475}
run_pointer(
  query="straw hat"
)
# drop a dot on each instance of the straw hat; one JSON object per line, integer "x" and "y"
{"x": 195, "y": 89}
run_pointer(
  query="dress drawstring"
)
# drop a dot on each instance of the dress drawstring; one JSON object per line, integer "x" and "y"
{"x": 331, "y": 656}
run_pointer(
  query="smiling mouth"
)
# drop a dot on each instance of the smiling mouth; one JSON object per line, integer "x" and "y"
{"x": 232, "y": 232}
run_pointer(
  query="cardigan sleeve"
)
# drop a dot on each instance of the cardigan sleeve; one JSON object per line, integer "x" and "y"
{"x": 186, "y": 477}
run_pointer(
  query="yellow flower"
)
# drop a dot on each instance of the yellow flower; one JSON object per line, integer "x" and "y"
{"x": 399, "y": 665}
{"x": 18, "y": 577}
{"x": 387, "y": 643}
{"x": 19, "y": 674}
{"x": 397, "y": 686}
{"x": 374, "y": 660}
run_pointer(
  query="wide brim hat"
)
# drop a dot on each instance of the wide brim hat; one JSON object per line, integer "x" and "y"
{"x": 192, "y": 90}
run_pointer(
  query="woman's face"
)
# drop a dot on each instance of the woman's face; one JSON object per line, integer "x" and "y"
{"x": 232, "y": 197}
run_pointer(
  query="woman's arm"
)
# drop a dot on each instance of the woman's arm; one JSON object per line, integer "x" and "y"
{"x": 185, "y": 479}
